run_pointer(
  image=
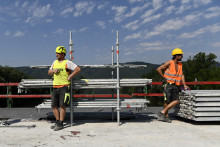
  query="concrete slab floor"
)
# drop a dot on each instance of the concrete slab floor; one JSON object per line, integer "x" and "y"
{"x": 141, "y": 130}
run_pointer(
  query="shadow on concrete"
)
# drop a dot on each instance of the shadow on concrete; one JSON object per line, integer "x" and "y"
{"x": 80, "y": 118}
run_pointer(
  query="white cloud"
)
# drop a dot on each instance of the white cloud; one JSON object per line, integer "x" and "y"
{"x": 201, "y": 2}
{"x": 172, "y": 1}
{"x": 49, "y": 20}
{"x": 135, "y": 1}
{"x": 17, "y": 3}
{"x": 132, "y": 25}
{"x": 19, "y": 34}
{"x": 59, "y": 31}
{"x": 215, "y": 44}
{"x": 102, "y": 6}
{"x": 7, "y": 33}
{"x": 135, "y": 10}
{"x": 150, "y": 19}
{"x": 148, "y": 13}
{"x": 185, "y": 1}
{"x": 150, "y": 44}
{"x": 119, "y": 10}
{"x": 101, "y": 24}
{"x": 155, "y": 46}
{"x": 83, "y": 7}
{"x": 66, "y": 10}
{"x": 84, "y": 29}
{"x": 169, "y": 10}
{"x": 38, "y": 13}
{"x": 213, "y": 29}
{"x": 120, "y": 15}
{"x": 157, "y": 4}
{"x": 174, "y": 24}
{"x": 133, "y": 36}
{"x": 25, "y": 4}
{"x": 212, "y": 12}
{"x": 183, "y": 8}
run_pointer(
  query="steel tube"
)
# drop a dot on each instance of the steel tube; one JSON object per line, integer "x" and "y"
{"x": 118, "y": 88}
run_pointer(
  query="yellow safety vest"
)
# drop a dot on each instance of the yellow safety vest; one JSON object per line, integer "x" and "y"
{"x": 61, "y": 78}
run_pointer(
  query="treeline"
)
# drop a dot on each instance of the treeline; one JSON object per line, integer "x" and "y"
{"x": 12, "y": 75}
{"x": 201, "y": 67}
{"x": 9, "y": 74}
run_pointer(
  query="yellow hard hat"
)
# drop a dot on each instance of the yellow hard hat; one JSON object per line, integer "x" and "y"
{"x": 177, "y": 51}
{"x": 60, "y": 49}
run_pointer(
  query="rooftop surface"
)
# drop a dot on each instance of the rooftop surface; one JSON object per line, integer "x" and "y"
{"x": 96, "y": 128}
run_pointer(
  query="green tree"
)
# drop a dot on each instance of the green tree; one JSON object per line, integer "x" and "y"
{"x": 9, "y": 74}
{"x": 201, "y": 66}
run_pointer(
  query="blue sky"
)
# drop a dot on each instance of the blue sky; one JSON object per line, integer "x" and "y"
{"x": 149, "y": 30}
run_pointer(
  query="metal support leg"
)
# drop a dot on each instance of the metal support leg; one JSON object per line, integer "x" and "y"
{"x": 112, "y": 114}
{"x": 9, "y": 100}
{"x": 118, "y": 81}
{"x": 71, "y": 103}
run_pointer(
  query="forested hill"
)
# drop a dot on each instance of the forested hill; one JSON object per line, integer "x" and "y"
{"x": 95, "y": 73}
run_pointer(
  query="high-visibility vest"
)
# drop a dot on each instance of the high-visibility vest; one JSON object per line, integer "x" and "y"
{"x": 60, "y": 78}
{"x": 171, "y": 75}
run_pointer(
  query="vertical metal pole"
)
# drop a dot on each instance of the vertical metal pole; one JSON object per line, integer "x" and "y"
{"x": 112, "y": 78}
{"x": 113, "y": 61}
{"x": 71, "y": 47}
{"x": 71, "y": 86}
{"x": 71, "y": 103}
{"x": 118, "y": 88}
{"x": 9, "y": 100}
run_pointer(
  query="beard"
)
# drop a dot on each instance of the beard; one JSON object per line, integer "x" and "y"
{"x": 179, "y": 59}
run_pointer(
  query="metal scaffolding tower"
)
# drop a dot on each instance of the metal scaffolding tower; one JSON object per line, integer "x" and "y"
{"x": 94, "y": 84}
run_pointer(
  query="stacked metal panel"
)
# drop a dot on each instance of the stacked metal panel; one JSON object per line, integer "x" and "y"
{"x": 199, "y": 105}
{"x": 102, "y": 103}
{"x": 85, "y": 83}
{"x": 93, "y": 84}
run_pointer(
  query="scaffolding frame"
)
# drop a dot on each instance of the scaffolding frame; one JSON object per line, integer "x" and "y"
{"x": 84, "y": 84}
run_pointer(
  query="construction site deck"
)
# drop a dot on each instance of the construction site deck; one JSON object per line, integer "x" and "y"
{"x": 94, "y": 127}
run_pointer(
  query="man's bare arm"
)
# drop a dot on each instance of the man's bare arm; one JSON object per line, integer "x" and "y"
{"x": 53, "y": 71}
{"x": 184, "y": 83}
{"x": 163, "y": 68}
{"x": 74, "y": 73}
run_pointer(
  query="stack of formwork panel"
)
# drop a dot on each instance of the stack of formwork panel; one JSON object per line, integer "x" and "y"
{"x": 199, "y": 105}
{"x": 85, "y": 83}
{"x": 102, "y": 103}
{"x": 92, "y": 84}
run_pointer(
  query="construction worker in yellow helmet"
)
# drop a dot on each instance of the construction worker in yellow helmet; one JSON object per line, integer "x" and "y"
{"x": 172, "y": 74}
{"x": 62, "y": 70}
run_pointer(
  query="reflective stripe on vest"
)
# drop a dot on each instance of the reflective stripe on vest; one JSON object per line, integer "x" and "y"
{"x": 61, "y": 78}
{"x": 171, "y": 75}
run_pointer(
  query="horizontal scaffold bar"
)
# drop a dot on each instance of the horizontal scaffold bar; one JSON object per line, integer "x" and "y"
{"x": 75, "y": 96}
{"x": 147, "y": 94}
{"x": 86, "y": 83}
{"x": 97, "y": 66}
